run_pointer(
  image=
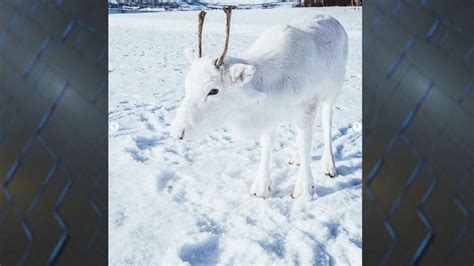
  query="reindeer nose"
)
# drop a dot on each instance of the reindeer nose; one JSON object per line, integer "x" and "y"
{"x": 181, "y": 136}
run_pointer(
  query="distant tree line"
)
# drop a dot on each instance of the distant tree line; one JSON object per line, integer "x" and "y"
{"x": 307, "y": 3}
{"x": 146, "y": 2}
{"x": 301, "y": 3}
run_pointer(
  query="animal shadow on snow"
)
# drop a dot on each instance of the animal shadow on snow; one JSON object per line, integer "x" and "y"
{"x": 342, "y": 181}
{"x": 344, "y": 178}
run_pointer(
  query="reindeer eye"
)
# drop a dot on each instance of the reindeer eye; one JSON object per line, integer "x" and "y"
{"x": 213, "y": 92}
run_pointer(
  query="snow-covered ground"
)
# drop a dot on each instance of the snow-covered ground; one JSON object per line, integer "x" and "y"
{"x": 174, "y": 202}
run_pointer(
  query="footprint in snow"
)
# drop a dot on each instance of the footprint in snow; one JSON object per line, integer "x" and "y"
{"x": 205, "y": 252}
{"x": 164, "y": 178}
{"x": 136, "y": 155}
{"x": 146, "y": 143}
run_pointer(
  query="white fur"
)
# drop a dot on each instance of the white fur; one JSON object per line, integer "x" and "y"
{"x": 286, "y": 75}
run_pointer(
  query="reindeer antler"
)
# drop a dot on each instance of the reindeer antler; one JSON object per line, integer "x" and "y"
{"x": 201, "y": 16}
{"x": 228, "y": 12}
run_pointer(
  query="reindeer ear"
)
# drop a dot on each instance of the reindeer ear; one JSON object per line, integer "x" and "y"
{"x": 191, "y": 54}
{"x": 240, "y": 74}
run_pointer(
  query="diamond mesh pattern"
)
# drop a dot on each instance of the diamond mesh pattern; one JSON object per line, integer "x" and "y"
{"x": 418, "y": 128}
{"x": 53, "y": 132}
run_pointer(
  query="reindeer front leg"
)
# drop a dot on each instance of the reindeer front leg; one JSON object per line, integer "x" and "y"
{"x": 304, "y": 182}
{"x": 263, "y": 181}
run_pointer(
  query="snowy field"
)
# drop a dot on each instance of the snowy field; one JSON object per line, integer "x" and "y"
{"x": 177, "y": 203}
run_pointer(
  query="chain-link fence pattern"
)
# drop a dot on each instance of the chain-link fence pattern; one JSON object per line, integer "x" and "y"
{"x": 418, "y": 132}
{"x": 53, "y": 132}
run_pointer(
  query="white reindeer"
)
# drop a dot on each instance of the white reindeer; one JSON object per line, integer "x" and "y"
{"x": 286, "y": 75}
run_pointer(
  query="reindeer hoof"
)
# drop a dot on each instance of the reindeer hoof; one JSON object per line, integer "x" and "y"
{"x": 330, "y": 175}
{"x": 295, "y": 160}
{"x": 260, "y": 191}
{"x": 297, "y": 193}
{"x": 260, "y": 196}
{"x": 304, "y": 196}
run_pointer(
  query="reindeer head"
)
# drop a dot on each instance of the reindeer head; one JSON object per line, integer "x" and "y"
{"x": 213, "y": 89}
